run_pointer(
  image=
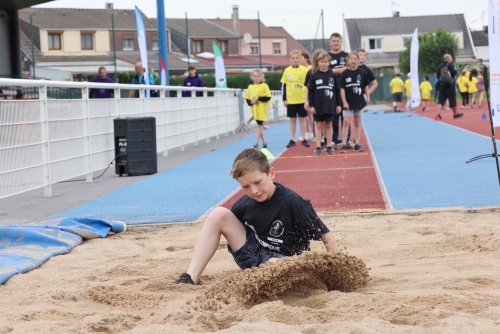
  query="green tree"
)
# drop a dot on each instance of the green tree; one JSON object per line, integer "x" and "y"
{"x": 432, "y": 47}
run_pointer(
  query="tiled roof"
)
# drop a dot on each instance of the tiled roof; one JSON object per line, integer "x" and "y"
{"x": 480, "y": 38}
{"x": 291, "y": 42}
{"x": 200, "y": 28}
{"x": 406, "y": 25}
{"x": 251, "y": 27}
{"x": 78, "y": 18}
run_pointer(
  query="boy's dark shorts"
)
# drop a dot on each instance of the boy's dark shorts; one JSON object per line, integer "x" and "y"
{"x": 397, "y": 97}
{"x": 322, "y": 118}
{"x": 447, "y": 93}
{"x": 296, "y": 109}
{"x": 252, "y": 254}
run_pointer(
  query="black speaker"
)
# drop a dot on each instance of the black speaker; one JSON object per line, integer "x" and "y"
{"x": 135, "y": 145}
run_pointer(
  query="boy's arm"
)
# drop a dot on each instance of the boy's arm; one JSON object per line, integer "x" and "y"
{"x": 338, "y": 71}
{"x": 374, "y": 85}
{"x": 367, "y": 93}
{"x": 330, "y": 242}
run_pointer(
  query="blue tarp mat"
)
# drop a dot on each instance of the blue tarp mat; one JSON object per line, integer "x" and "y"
{"x": 26, "y": 247}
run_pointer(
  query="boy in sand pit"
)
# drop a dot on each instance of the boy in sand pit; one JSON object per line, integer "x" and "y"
{"x": 268, "y": 223}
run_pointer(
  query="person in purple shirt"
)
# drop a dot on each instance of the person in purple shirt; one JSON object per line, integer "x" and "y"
{"x": 102, "y": 93}
{"x": 193, "y": 80}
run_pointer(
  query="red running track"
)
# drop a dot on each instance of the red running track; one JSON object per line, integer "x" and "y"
{"x": 333, "y": 183}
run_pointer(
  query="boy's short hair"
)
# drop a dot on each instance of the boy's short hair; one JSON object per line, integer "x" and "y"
{"x": 336, "y": 34}
{"x": 426, "y": 77}
{"x": 248, "y": 160}
{"x": 192, "y": 67}
{"x": 361, "y": 50}
{"x": 398, "y": 75}
{"x": 305, "y": 55}
{"x": 295, "y": 52}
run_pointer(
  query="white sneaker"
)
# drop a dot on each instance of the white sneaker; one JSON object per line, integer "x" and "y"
{"x": 266, "y": 127}
{"x": 309, "y": 136}
{"x": 300, "y": 139}
{"x": 462, "y": 106}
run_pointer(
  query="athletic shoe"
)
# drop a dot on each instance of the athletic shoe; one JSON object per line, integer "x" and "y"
{"x": 350, "y": 144}
{"x": 428, "y": 109}
{"x": 300, "y": 138}
{"x": 343, "y": 149}
{"x": 323, "y": 144}
{"x": 317, "y": 151}
{"x": 256, "y": 146}
{"x": 291, "y": 143}
{"x": 462, "y": 106}
{"x": 358, "y": 148}
{"x": 334, "y": 145}
{"x": 264, "y": 145}
{"x": 458, "y": 115}
{"x": 439, "y": 115}
{"x": 266, "y": 127}
{"x": 305, "y": 143}
{"x": 329, "y": 150}
{"x": 184, "y": 279}
{"x": 309, "y": 136}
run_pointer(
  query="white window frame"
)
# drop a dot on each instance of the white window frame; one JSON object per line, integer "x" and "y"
{"x": 405, "y": 37}
{"x": 381, "y": 38}
{"x": 127, "y": 48}
{"x": 153, "y": 48}
{"x": 92, "y": 41}
{"x": 276, "y": 51}
{"x": 256, "y": 46}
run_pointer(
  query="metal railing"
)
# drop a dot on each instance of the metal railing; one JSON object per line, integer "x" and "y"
{"x": 44, "y": 141}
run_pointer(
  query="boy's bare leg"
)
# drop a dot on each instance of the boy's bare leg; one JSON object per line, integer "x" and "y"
{"x": 220, "y": 221}
{"x": 260, "y": 132}
{"x": 302, "y": 123}
{"x": 319, "y": 128}
{"x": 328, "y": 128}
{"x": 345, "y": 129}
{"x": 293, "y": 127}
{"x": 357, "y": 129}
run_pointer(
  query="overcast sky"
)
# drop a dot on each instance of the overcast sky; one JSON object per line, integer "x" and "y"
{"x": 300, "y": 21}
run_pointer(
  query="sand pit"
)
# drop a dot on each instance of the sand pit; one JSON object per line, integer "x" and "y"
{"x": 429, "y": 272}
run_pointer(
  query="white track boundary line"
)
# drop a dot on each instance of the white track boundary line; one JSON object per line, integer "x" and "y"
{"x": 385, "y": 193}
{"x": 321, "y": 170}
{"x": 233, "y": 192}
{"x": 457, "y": 127}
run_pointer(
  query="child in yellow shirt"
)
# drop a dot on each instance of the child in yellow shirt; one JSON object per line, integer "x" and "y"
{"x": 472, "y": 87}
{"x": 463, "y": 83}
{"x": 257, "y": 97}
{"x": 426, "y": 89}
{"x": 396, "y": 89}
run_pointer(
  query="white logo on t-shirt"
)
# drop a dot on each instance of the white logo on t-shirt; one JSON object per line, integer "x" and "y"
{"x": 319, "y": 81}
{"x": 290, "y": 76}
{"x": 189, "y": 84}
{"x": 334, "y": 61}
{"x": 347, "y": 79}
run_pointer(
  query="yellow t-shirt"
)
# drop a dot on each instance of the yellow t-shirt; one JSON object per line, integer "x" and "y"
{"x": 294, "y": 79}
{"x": 397, "y": 85}
{"x": 426, "y": 88}
{"x": 259, "y": 109}
{"x": 462, "y": 83}
{"x": 473, "y": 85}
{"x": 408, "y": 87}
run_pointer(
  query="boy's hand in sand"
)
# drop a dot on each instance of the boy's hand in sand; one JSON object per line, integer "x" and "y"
{"x": 330, "y": 242}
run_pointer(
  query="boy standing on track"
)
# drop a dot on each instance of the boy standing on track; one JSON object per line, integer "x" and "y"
{"x": 324, "y": 97}
{"x": 396, "y": 89}
{"x": 425, "y": 89}
{"x": 294, "y": 96}
{"x": 338, "y": 64}
{"x": 268, "y": 223}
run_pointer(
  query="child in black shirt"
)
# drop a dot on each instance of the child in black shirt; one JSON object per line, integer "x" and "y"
{"x": 324, "y": 97}
{"x": 353, "y": 83}
{"x": 268, "y": 223}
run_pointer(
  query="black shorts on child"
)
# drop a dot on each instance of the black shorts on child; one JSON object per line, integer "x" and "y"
{"x": 323, "y": 117}
{"x": 252, "y": 254}
{"x": 296, "y": 109}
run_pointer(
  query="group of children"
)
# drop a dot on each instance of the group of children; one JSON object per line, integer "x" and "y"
{"x": 399, "y": 89}
{"x": 469, "y": 83}
{"x": 329, "y": 93}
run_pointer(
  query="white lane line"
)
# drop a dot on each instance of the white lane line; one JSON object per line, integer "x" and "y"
{"x": 322, "y": 170}
{"x": 385, "y": 193}
{"x": 457, "y": 127}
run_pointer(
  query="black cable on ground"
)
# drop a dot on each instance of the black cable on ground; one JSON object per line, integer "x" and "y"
{"x": 95, "y": 178}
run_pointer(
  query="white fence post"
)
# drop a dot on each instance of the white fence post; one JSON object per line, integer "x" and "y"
{"x": 44, "y": 123}
{"x": 86, "y": 133}
{"x": 163, "y": 96}
{"x": 179, "y": 95}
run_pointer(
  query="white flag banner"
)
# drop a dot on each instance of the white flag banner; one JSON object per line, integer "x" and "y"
{"x": 494, "y": 45}
{"x": 415, "y": 85}
{"x": 141, "y": 38}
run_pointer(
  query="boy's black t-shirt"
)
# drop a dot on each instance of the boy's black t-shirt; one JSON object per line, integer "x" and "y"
{"x": 338, "y": 59}
{"x": 324, "y": 92}
{"x": 285, "y": 224}
{"x": 368, "y": 72}
{"x": 354, "y": 83}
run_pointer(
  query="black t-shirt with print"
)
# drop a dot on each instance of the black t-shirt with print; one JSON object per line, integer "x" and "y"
{"x": 354, "y": 83}
{"x": 285, "y": 223}
{"x": 338, "y": 59}
{"x": 368, "y": 72}
{"x": 324, "y": 92}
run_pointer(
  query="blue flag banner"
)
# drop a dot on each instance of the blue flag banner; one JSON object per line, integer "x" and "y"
{"x": 141, "y": 38}
{"x": 26, "y": 247}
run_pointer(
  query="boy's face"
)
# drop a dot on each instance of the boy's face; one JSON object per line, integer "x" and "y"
{"x": 256, "y": 77}
{"x": 362, "y": 58}
{"x": 192, "y": 72}
{"x": 295, "y": 59}
{"x": 257, "y": 185}
{"x": 335, "y": 43}
{"x": 353, "y": 61}
{"x": 323, "y": 64}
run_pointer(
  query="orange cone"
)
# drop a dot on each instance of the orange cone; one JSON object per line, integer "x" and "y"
{"x": 437, "y": 118}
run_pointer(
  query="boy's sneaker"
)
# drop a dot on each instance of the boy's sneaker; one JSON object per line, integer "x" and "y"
{"x": 305, "y": 143}
{"x": 291, "y": 143}
{"x": 317, "y": 151}
{"x": 358, "y": 148}
{"x": 334, "y": 145}
{"x": 343, "y": 149}
{"x": 256, "y": 146}
{"x": 350, "y": 144}
{"x": 329, "y": 150}
{"x": 184, "y": 279}
{"x": 264, "y": 145}
{"x": 457, "y": 115}
{"x": 309, "y": 136}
